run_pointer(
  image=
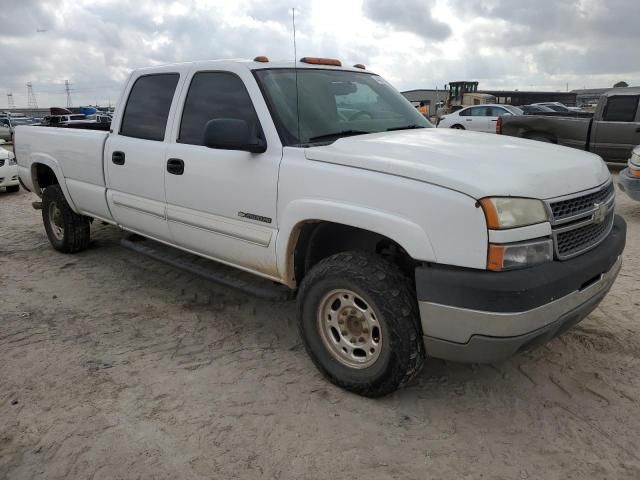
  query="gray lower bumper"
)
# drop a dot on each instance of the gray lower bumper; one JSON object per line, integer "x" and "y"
{"x": 629, "y": 184}
{"x": 464, "y": 335}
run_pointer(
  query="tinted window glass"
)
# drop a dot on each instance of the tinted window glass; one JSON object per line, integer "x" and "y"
{"x": 465, "y": 113}
{"x": 214, "y": 95}
{"x": 621, "y": 109}
{"x": 147, "y": 110}
{"x": 480, "y": 111}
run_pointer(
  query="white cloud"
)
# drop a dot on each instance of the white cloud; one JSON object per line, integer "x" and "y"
{"x": 415, "y": 43}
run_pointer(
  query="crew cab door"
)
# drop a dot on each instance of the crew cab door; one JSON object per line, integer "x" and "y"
{"x": 618, "y": 132}
{"x": 222, "y": 203}
{"x": 135, "y": 154}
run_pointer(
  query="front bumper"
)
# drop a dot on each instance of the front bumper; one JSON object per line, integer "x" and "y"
{"x": 9, "y": 175}
{"x": 629, "y": 184}
{"x": 481, "y": 316}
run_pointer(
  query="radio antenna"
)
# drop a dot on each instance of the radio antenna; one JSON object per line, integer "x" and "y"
{"x": 295, "y": 69}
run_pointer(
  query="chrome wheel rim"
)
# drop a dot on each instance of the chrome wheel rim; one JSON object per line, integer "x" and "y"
{"x": 56, "y": 222}
{"x": 349, "y": 329}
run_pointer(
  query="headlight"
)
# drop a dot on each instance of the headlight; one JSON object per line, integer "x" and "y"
{"x": 519, "y": 255}
{"x": 510, "y": 212}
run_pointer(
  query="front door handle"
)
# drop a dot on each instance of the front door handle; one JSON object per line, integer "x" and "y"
{"x": 117, "y": 158}
{"x": 175, "y": 166}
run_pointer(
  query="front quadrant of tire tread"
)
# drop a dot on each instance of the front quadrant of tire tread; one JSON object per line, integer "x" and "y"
{"x": 76, "y": 228}
{"x": 390, "y": 292}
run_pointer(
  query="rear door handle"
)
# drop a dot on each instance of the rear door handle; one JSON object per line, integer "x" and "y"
{"x": 468, "y": 119}
{"x": 117, "y": 158}
{"x": 175, "y": 166}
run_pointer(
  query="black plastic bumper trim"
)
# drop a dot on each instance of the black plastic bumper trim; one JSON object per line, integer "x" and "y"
{"x": 518, "y": 290}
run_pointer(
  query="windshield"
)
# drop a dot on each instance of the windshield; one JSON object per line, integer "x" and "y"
{"x": 334, "y": 104}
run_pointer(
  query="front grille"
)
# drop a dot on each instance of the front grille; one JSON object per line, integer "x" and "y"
{"x": 577, "y": 221}
{"x": 575, "y": 206}
{"x": 572, "y": 242}
{"x": 2, "y": 162}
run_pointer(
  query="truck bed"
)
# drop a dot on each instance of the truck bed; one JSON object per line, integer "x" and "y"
{"x": 74, "y": 153}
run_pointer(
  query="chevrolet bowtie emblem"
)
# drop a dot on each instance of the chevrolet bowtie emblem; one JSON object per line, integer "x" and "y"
{"x": 601, "y": 212}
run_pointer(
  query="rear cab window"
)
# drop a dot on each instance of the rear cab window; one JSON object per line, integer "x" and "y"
{"x": 147, "y": 110}
{"x": 621, "y": 108}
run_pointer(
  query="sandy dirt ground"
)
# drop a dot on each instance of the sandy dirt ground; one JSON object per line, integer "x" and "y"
{"x": 114, "y": 366}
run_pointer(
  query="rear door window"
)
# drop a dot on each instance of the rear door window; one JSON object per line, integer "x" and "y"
{"x": 621, "y": 108}
{"x": 215, "y": 95}
{"x": 147, "y": 110}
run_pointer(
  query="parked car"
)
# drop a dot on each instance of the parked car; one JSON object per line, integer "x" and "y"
{"x": 535, "y": 109}
{"x": 629, "y": 178}
{"x": 479, "y": 118}
{"x": 557, "y": 107}
{"x": 8, "y": 171}
{"x": 8, "y": 125}
{"x": 399, "y": 241}
{"x": 612, "y": 132}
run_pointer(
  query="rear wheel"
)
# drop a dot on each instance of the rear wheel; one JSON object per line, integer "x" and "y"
{"x": 68, "y": 232}
{"x": 358, "y": 319}
{"x": 13, "y": 188}
{"x": 457, "y": 127}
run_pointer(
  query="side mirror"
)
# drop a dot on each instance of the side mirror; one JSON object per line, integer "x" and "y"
{"x": 232, "y": 134}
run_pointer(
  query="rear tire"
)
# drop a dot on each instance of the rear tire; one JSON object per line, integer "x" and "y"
{"x": 13, "y": 188}
{"x": 458, "y": 127}
{"x": 68, "y": 232}
{"x": 359, "y": 322}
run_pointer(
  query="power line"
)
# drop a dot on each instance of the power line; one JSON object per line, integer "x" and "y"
{"x": 31, "y": 97}
{"x": 67, "y": 85}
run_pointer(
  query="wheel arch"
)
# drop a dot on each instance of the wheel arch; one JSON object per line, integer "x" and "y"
{"x": 45, "y": 171}
{"x": 317, "y": 229}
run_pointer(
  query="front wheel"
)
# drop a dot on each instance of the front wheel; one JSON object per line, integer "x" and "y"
{"x": 68, "y": 232}
{"x": 358, "y": 319}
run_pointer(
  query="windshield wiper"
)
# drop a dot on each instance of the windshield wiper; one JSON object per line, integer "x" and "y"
{"x": 407, "y": 127}
{"x": 343, "y": 133}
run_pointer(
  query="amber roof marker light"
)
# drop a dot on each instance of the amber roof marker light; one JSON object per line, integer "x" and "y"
{"x": 261, "y": 59}
{"x": 360, "y": 66}
{"x": 321, "y": 61}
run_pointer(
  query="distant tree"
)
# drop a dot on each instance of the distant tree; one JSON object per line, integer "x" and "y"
{"x": 621, "y": 84}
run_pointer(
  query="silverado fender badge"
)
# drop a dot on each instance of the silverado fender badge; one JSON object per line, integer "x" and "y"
{"x": 601, "y": 212}
{"x": 251, "y": 216}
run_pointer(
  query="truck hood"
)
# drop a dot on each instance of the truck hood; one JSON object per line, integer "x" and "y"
{"x": 477, "y": 164}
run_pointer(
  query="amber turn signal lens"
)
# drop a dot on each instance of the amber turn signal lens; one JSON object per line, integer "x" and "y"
{"x": 321, "y": 61}
{"x": 261, "y": 59}
{"x": 490, "y": 212}
{"x": 495, "y": 258}
{"x": 635, "y": 172}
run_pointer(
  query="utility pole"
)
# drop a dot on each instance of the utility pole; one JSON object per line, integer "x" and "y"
{"x": 10, "y": 101}
{"x": 31, "y": 97}
{"x": 67, "y": 89}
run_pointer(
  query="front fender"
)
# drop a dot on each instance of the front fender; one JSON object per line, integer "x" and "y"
{"x": 403, "y": 231}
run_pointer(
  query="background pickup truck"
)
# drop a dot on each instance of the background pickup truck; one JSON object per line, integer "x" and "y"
{"x": 399, "y": 240}
{"x": 612, "y": 133}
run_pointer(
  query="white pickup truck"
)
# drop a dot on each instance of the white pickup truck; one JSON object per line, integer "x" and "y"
{"x": 400, "y": 241}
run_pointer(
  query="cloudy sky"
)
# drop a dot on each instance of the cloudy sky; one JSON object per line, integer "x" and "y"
{"x": 524, "y": 44}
